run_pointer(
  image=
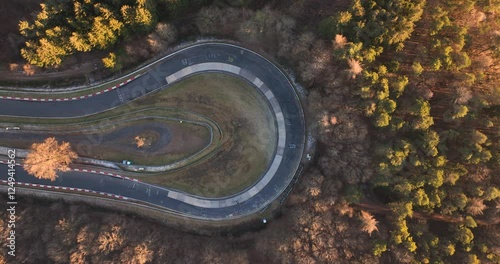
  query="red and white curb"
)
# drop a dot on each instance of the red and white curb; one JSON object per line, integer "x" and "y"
{"x": 70, "y": 189}
{"x": 69, "y": 98}
{"x": 92, "y": 171}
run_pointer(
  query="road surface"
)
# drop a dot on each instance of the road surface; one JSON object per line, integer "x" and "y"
{"x": 205, "y": 57}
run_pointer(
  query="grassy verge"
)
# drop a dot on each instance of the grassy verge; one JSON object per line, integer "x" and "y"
{"x": 62, "y": 83}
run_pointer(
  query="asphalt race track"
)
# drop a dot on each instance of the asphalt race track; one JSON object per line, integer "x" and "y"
{"x": 206, "y": 57}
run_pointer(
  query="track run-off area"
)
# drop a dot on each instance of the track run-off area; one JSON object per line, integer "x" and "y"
{"x": 230, "y": 59}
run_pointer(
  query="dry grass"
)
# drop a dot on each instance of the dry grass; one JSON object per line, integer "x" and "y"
{"x": 248, "y": 129}
{"x": 97, "y": 142}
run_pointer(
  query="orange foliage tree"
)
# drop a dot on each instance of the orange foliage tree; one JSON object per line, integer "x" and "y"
{"x": 47, "y": 158}
{"x": 140, "y": 141}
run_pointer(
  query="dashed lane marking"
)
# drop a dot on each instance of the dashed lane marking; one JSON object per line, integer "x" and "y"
{"x": 71, "y": 189}
{"x": 71, "y": 98}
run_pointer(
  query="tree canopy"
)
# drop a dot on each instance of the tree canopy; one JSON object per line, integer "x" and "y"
{"x": 63, "y": 28}
{"x": 49, "y": 157}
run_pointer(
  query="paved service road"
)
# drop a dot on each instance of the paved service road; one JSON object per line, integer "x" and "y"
{"x": 206, "y": 57}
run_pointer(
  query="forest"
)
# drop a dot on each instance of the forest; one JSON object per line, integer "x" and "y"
{"x": 403, "y": 98}
{"x": 64, "y": 27}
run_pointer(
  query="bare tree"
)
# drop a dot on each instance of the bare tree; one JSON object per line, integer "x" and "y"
{"x": 166, "y": 32}
{"x": 143, "y": 254}
{"x": 483, "y": 61}
{"x": 139, "y": 254}
{"x": 208, "y": 20}
{"x": 156, "y": 43}
{"x": 110, "y": 240}
{"x": 302, "y": 45}
{"x": 463, "y": 95}
{"x": 47, "y": 158}
{"x": 476, "y": 206}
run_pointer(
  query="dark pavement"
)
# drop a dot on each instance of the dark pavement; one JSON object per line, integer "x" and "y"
{"x": 153, "y": 80}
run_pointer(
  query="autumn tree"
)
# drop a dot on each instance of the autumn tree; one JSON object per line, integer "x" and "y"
{"x": 369, "y": 223}
{"x": 417, "y": 68}
{"x": 49, "y": 157}
{"x": 364, "y": 22}
{"x": 355, "y": 68}
{"x": 111, "y": 239}
{"x": 43, "y": 53}
{"x": 339, "y": 41}
{"x": 111, "y": 62}
{"x": 140, "y": 141}
{"x": 105, "y": 30}
{"x": 62, "y": 28}
{"x": 29, "y": 69}
{"x": 139, "y": 17}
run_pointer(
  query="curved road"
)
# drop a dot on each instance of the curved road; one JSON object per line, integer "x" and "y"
{"x": 206, "y": 57}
